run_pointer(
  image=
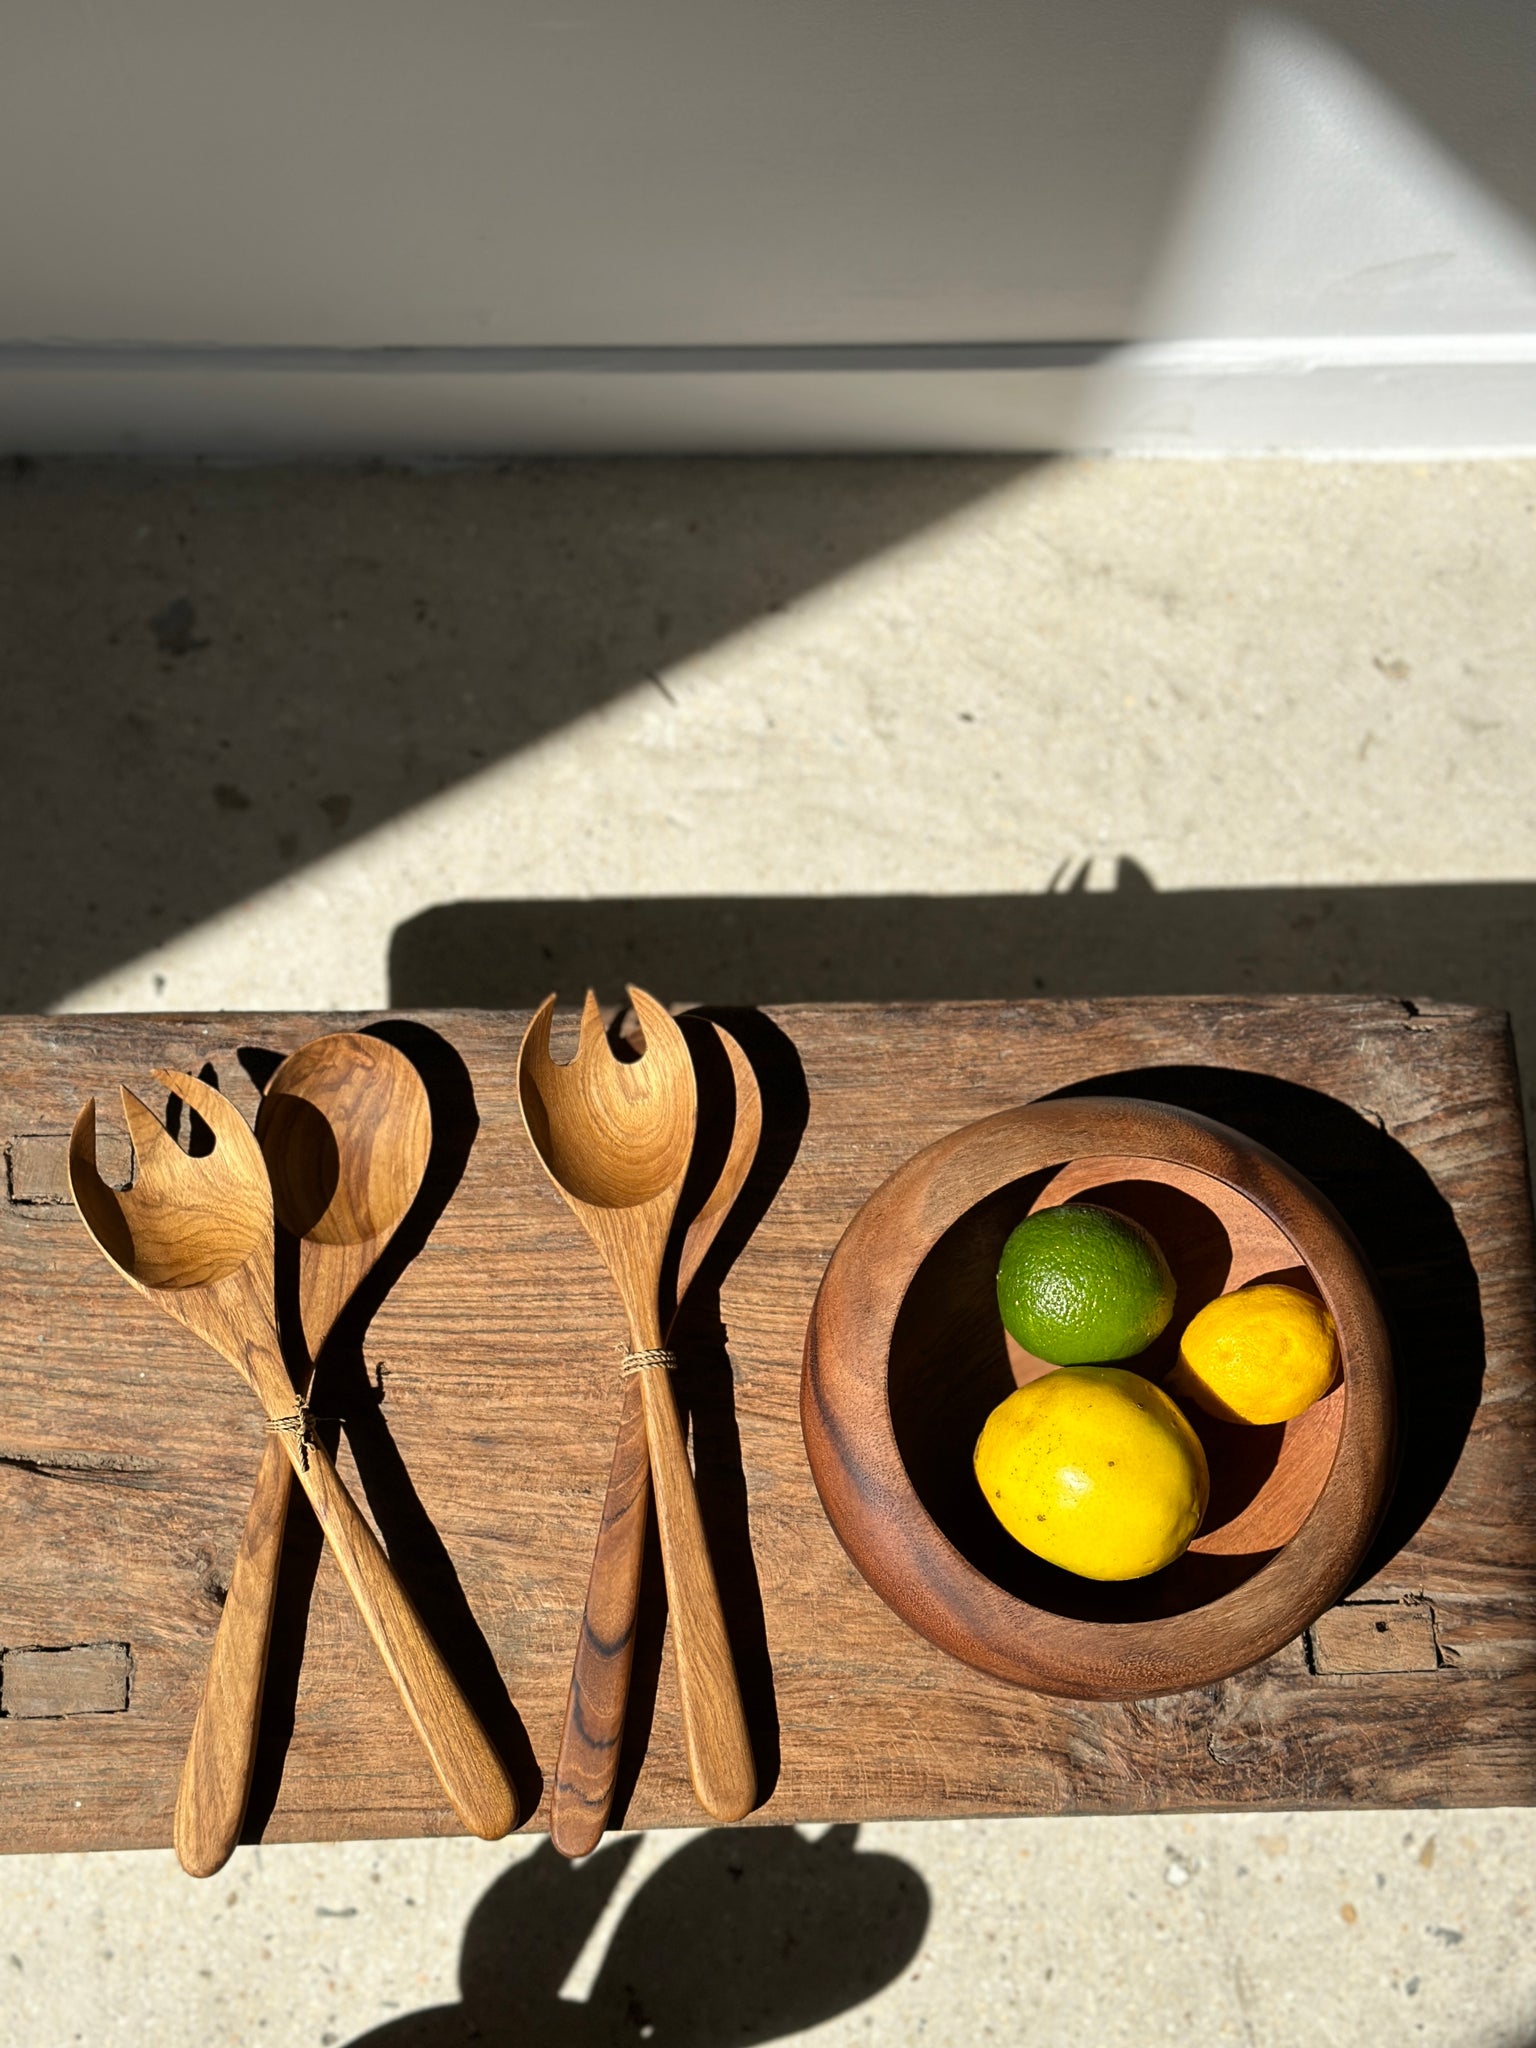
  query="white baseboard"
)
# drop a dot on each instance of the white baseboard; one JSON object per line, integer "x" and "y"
{"x": 1375, "y": 396}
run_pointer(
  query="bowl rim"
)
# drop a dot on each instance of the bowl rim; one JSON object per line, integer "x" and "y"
{"x": 901, "y": 1551}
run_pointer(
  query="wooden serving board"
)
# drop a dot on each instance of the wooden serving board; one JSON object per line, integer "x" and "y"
{"x": 480, "y": 1407}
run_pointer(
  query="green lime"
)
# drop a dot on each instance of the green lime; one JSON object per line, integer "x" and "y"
{"x": 1080, "y": 1285}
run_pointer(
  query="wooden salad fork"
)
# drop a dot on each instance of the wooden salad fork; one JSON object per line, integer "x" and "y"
{"x": 345, "y": 1128}
{"x": 196, "y": 1237}
{"x": 616, "y": 1138}
{"x": 581, "y": 1796}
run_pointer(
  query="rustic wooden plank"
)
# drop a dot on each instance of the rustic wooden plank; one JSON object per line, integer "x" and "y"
{"x": 35, "y": 1172}
{"x": 1375, "y": 1635}
{"x": 1494, "y": 1637}
{"x": 479, "y": 1417}
{"x": 73, "y": 1678}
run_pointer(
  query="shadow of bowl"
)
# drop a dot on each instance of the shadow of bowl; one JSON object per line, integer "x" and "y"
{"x": 906, "y": 1357}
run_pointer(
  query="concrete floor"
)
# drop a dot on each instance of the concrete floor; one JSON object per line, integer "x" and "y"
{"x": 1137, "y": 727}
{"x": 1301, "y": 1931}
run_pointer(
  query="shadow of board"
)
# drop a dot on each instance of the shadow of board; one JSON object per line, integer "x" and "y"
{"x": 744, "y": 1935}
{"x": 1466, "y": 942}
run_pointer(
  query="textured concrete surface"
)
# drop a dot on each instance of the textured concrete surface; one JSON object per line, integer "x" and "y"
{"x": 1103, "y": 727}
{"x": 1283, "y": 711}
{"x": 1305, "y": 1931}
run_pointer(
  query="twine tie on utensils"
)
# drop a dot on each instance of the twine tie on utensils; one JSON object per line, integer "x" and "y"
{"x": 647, "y": 1361}
{"x": 301, "y": 1424}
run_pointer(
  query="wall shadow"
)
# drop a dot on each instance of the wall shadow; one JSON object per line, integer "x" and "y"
{"x": 260, "y": 666}
{"x": 1466, "y": 942}
{"x": 741, "y": 1936}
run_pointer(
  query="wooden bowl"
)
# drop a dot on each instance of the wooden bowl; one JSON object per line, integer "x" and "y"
{"x": 905, "y": 1358}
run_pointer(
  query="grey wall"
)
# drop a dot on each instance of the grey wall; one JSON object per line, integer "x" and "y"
{"x": 371, "y": 173}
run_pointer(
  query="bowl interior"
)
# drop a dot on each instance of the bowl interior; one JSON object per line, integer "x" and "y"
{"x": 951, "y": 1363}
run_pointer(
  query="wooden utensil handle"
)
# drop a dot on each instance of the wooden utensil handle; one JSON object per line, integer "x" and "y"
{"x": 216, "y": 1776}
{"x": 714, "y": 1723}
{"x": 468, "y": 1767}
{"x": 594, "y": 1710}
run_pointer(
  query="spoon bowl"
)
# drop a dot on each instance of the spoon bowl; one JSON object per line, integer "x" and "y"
{"x": 346, "y": 1129}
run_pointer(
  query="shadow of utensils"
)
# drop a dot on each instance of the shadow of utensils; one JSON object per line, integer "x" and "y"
{"x": 349, "y": 1398}
{"x": 705, "y": 1386}
{"x": 743, "y": 1935}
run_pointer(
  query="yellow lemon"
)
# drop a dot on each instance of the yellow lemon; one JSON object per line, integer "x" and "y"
{"x": 1263, "y": 1354}
{"x": 1094, "y": 1469}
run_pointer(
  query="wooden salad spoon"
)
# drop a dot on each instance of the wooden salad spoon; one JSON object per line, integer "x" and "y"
{"x": 616, "y": 1139}
{"x": 345, "y": 1129}
{"x": 581, "y": 1797}
{"x": 196, "y": 1237}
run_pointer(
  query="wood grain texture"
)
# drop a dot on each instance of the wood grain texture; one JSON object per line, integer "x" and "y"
{"x": 85, "y": 1678}
{"x": 586, "y": 1768}
{"x": 905, "y": 1359}
{"x": 195, "y": 1236}
{"x": 498, "y": 1347}
{"x": 345, "y": 1131}
{"x": 468, "y": 1768}
{"x": 1375, "y": 1635}
{"x": 215, "y": 1785}
{"x": 617, "y": 1139}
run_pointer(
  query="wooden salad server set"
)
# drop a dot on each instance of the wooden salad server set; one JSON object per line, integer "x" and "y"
{"x": 341, "y": 1145}
{"x": 582, "y": 1794}
{"x": 345, "y": 1128}
{"x": 616, "y": 1138}
{"x": 196, "y": 1235}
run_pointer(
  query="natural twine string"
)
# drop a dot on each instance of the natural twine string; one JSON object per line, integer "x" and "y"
{"x": 656, "y": 1360}
{"x": 300, "y": 1424}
